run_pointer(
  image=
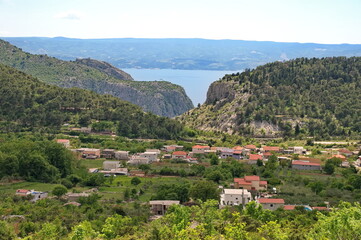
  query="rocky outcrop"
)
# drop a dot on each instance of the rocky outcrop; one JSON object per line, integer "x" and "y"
{"x": 168, "y": 100}
{"x": 105, "y": 68}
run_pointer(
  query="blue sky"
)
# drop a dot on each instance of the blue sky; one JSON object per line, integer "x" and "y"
{"x": 320, "y": 21}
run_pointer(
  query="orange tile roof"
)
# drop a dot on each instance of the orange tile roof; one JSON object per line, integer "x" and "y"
{"x": 295, "y": 162}
{"x": 271, "y": 200}
{"x": 62, "y": 140}
{"x": 255, "y": 157}
{"x": 251, "y": 178}
{"x": 263, "y": 182}
{"x": 179, "y": 153}
{"x": 320, "y": 208}
{"x": 241, "y": 181}
{"x": 268, "y": 148}
{"x": 338, "y": 156}
{"x": 289, "y": 207}
{"x": 199, "y": 146}
{"x": 237, "y": 148}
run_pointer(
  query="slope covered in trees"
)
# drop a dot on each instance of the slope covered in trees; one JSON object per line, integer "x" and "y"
{"x": 27, "y": 103}
{"x": 319, "y": 97}
{"x": 159, "y": 97}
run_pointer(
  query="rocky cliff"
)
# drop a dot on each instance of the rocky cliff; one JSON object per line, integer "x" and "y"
{"x": 317, "y": 97}
{"x": 159, "y": 97}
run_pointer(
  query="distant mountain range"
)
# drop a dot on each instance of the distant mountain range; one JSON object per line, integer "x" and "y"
{"x": 188, "y": 54}
{"x": 159, "y": 97}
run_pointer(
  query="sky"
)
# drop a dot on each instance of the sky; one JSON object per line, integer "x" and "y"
{"x": 318, "y": 21}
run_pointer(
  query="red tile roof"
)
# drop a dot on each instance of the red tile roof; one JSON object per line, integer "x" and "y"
{"x": 251, "y": 178}
{"x": 241, "y": 181}
{"x": 271, "y": 200}
{"x": 267, "y": 154}
{"x": 179, "y": 153}
{"x": 268, "y": 148}
{"x": 263, "y": 182}
{"x": 296, "y": 162}
{"x": 250, "y": 146}
{"x": 237, "y": 152}
{"x": 338, "y": 156}
{"x": 345, "y": 151}
{"x": 199, "y": 146}
{"x": 62, "y": 140}
{"x": 289, "y": 207}
{"x": 255, "y": 157}
{"x": 22, "y": 191}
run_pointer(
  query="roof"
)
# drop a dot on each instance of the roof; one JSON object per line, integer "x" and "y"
{"x": 320, "y": 208}
{"x": 251, "y": 178}
{"x": 297, "y": 162}
{"x": 237, "y": 148}
{"x": 338, "y": 156}
{"x": 237, "y": 152}
{"x": 163, "y": 202}
{"x": 271, "y": 200}
{"x": 250, "y": 146}
{"x": 241, "y": 181}
{"x": 236, "y": 191}
{"x": 267, "y": 154}
{"x": 22, "y": 191}
{"x": 179, "y": 153}
{"x": 268, "y": 148}
{"x": 263, "y": 182}
{"x": 289, "y": 207}
{"x": 199, "y": 146}
{"x": 255, "y": 157}
{"x": 345, "y": 151}
{"x": 62, "y": 140}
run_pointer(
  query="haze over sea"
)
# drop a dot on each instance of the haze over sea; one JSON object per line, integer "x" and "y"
{"x": 194, "y": 82}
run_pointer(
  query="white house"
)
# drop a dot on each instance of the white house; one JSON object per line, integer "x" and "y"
{"x": 108, "y": 165}
{"x": 151, "y": 156}
{"x": 234, "y": 197}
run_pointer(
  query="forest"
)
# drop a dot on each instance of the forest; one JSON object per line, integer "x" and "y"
{"x": 27, "y": 104}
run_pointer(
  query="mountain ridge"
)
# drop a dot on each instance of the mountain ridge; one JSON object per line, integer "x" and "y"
{"x": 156, "y": 97}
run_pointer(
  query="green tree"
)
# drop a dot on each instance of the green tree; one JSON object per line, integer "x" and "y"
{"x": 59, "y": 191}
{"x": 204, "y": 190}
{"x": 135, "y": 181}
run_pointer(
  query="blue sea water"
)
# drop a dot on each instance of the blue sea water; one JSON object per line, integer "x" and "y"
{"x": 194, "y": 82}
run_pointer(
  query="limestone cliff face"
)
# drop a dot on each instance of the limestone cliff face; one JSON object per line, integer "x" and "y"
{"x": 161, "y": 98}
{"x": 105, "y": 68}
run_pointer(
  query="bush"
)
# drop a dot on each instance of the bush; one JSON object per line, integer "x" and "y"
{"x": 66, "y": 183}
{"x": 135, "y": 181}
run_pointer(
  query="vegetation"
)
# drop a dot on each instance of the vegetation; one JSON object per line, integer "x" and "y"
{"x": 312, "y": 97}
{"x": 26, "y": 103}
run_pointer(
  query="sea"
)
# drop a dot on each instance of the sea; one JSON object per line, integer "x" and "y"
{"x": 194, "y": 82}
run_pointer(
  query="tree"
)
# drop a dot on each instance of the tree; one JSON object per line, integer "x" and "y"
{"x": 59, "y": 191}
{"x": 135, "y": 181}
{"x": 204, "y": 190}
{"x": 329, "y": 168}
{"x": 214, "y": 159}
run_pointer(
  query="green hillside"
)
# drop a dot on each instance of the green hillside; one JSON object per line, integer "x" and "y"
{"x": 161, "y": 98}
{"x": 27, "y": 103}
{"x": 317, "y": 97}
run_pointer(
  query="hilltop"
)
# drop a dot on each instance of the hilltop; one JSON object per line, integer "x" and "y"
{"x": 317, "y": 97}
{"x": 159, "y": 97}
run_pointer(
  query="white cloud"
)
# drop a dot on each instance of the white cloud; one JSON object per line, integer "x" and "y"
{"x": 69, "y": 15}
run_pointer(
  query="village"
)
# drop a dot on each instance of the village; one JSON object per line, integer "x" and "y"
{"x": 238, "y": 193}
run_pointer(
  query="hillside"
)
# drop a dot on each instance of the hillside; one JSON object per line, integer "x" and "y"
{"x": 317, "y": 97}
{"x": 158, "y": 97}
{"x": 189, "y": 54}
{"x": 28, "y": 104}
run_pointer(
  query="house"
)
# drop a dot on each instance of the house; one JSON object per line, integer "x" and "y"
{"x": 237, "y": 148}
{"x": 179, "y": 155}
{"x": 234, "y": 197}
{"x": 35, "y": 195}
{"x": 250, "y": 183}
{"x": 136, "y": 173}
{"x": 342, "y": 157}
{"x": 151, "y": 156}
{"x": 108, "y": 153}
{"x": 345, "y": 152}
{"x": 271, "y": 149}
{"x": 253, "y": 158}
{"x": 137, "y": 160}
{"x": 271, "y": 203}
{"x": 226, "y": 153}
{"x": 298, "y": 150}
{"x": 198, "y": 149}
{"x": 303, "y": 165}
{"x": 108, "y": 165}
{"x": 237, "y": 154}
{"x": 159, "y": 207}
{"x": 115, "y": 171}
{"x": 64, "y": 142}
{"x": 90, "y": 153}
{"x": 121, "y": 155}
{"x": 320, "y": 208}
{"x": 157, "y": 151}
{"x": 251, "y": 147}
{"x": 172, "y": 148}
